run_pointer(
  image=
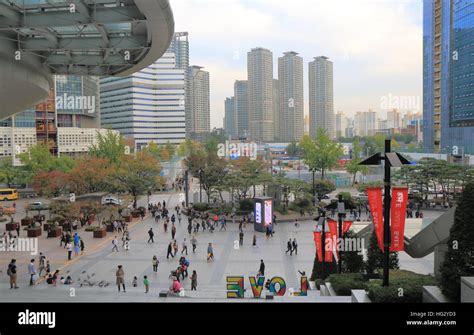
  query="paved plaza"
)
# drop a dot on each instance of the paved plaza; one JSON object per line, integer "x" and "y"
{"x": 99, "y": 263}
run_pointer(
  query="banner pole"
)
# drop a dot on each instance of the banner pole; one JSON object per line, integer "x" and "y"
{"x": 386, "y": 221}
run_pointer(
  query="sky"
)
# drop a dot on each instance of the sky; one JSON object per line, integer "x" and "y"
{"x": 376, "y": 46}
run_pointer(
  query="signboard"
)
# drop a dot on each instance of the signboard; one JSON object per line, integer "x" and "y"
{"x": 258, "y": 212}
{"x": 263, "y": 213}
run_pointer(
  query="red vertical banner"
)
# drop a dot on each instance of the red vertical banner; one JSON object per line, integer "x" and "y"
{"x": 346, "y": 225}
{"x": 333, "y": 247}
{"x": 397, "y": 218}
{"x": 375, "y": 202}
{"x": 317, "y": 243}
{"x": 329, "y": 248}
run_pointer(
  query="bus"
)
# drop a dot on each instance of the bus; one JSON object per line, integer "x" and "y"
{"x": 8, "y": 194}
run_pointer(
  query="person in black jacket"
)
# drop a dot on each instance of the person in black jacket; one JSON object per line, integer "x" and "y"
{"x": 261, "y": 271}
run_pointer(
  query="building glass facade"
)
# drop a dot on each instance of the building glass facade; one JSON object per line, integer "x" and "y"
{"x": 448, "y": 76}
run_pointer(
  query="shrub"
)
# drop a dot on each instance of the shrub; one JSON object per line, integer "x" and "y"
{"x": 405, "y": 287}
{"x": 352, "y": 261}
{"x": 329, "y": 268}
{"x": 302, "y": 202}
{"x": 201, "y": 206}
{"x": 246, "y": 205}
{"x": 345, "y": 282}
{"x": 459, "y": 260}
{"x": 375, "y": 258}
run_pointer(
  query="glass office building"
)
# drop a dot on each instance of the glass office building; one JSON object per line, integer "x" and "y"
{"x": 448, "y": 76}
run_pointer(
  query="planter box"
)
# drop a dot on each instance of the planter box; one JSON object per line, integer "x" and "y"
{"x": 56, "y": 232}
{"x": 10, "y": 227}
{"x": 110, "y": 228}
{"x": 127, "y": 218}
{"x": 26, "y": 221}
{"x": 100, "y": 233}
{"x": 135, "y": 214}
{"x": 34, "y": 232}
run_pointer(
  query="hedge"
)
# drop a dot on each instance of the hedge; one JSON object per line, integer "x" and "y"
{"x": 405, "y": 287}
{"x": 201, "y": 207}
{"x": 345, "y": 282}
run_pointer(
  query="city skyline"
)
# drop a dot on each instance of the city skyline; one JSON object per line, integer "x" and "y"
{"x": 358, "y": 46}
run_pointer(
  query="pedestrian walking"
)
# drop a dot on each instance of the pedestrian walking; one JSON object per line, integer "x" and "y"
{"x": 261, "y": 270}
{"x": 115, "y": 244}
{"x": 120, "y": 274}
{"x": 210, "y": 252}
{"x": 32, "y": 272}
{"x": 170, "y": 251}
{"x": 175, "y": 247}
{"x": 69, "y": 250}
{"x": 254, "y": 242}
{"x": 42, "y": 265}
{"x": 295, "y": 246}
{"x": 155, "y": 262}
{"x": 146, "y": 283}
{"x": 194, "y": 281}
{"x": 185, "y": 247}
{"x": 12, "y": 273}
{"x": 194, "y": 243}
{"x": 289, "y": 247}
{"x": 135, "y": 281}
{"x": 150, "y": 236}
{"x": 241, "y": 238}
{"x": 173, "y": 231}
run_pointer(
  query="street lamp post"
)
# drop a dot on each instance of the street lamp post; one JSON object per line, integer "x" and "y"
{"x": 313, "y": 170}
{"x": 341, "y": 213}
{"x": 390, "y": 159}
{"x": 200, "y": 185}
{"x": 186, "y": 186}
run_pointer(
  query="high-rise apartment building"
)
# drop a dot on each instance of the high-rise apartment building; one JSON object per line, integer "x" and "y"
{"x": 230, "y": 119}
{"x": 260, "y": 94}
{"x": 241, "y": 108}
{"x": 291, "y": 115}
{"x": 448, "y": 76}
{"x": 321, "y": 96}
{"x": 147, "y": 106}
{"x": 180, "y": 47}
{"x": 341, "y": 123}
{"x": 198, "y": 114}
{"x": 276, "y": 110}
{"x": 393, "y": 119}
{"x": 365, "y": 123}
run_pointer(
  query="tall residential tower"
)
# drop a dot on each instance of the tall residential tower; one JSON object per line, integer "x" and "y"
{"x": 321, "y": 96}
{"x": 260, "y": 94}
{"x": 290, "y": 78}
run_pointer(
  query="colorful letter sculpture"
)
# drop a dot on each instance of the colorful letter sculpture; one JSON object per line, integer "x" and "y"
{"x": 277, "y": 286}
{"x": 235, "y": 287}
{"x": 257, "y": 286}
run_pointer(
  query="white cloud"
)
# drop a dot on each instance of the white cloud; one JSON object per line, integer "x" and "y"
{"x": 376, "y": 46}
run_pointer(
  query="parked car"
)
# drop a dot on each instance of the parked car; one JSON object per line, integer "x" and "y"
{"x": 111, "y": 201}
{"x": 37, "y": 205}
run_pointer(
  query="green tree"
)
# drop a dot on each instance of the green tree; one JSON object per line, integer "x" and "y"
{"x": 459, "y": 259}
{"x": 353, "y": 166}
{"x": 374, "y": 261}
{"x": 209, "y": 168}
{"x": 293, "y": 149}
{"x": 10, "y": 174}
{"x": 110, "y": 145}
{"x": 321, "y": 154}
{"x": 137, "y": 175}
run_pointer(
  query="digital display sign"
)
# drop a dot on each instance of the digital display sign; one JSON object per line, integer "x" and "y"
{"x": 258, "y": 212}
{"x": 268, "y": 212}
